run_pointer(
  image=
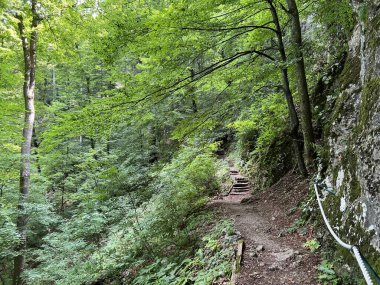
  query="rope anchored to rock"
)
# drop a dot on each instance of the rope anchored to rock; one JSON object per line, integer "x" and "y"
{"x": 365, "y": 267}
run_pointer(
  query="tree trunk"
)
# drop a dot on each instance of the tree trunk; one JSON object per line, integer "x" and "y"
{"x": 306, "y": 114}
{"x": 193, "y": 102}
{"x": 36, "y": 145}
{"x": 29, "y": 52}
{"x": 54, "y": 84}
{"x": 293, "y": 117}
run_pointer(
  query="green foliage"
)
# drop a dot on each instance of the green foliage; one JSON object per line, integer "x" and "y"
{"x": 328, "y": 275}
{"x": 212, "y": 261}
{"x": 313, "y": 245}
{"x": 164, "y": 224}
{"x": 330, "y": 21}
{"x": 262, "y": 143}
{"x": 265, "y": 121}
{"x": 8, "y": 233}
{"x": 298, "y": 223}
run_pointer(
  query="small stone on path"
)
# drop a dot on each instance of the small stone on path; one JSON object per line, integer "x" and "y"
{"x": 260, "y": 248}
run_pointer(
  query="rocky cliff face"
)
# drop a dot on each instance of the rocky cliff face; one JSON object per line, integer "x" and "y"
{"x": 353, "y": 137}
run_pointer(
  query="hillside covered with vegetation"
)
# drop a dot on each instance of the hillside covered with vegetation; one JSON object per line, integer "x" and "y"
{"x": 120, "y": 120}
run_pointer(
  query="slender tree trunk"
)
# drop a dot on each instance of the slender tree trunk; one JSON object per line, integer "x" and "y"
{"x": 30, "y": 52}
{"x": 54, "y": 83}
{"x": 36, "y": 144}
{"x": 293, "y": 117}
{"x": 45, "y": 92}
{"x": 88, "y": 85}
{"x": 92, "y": 143}
{"x": 194, "y": 106}
{"x": 306, "y": 114}
{"x": 108, "y": 147}
{"x": 93, "y": 147}
{"x": 193, "y": 102}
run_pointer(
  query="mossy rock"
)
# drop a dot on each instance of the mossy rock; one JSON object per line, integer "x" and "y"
{"x": 349, "y": 162}
{"x": 369, "y": 98}
{"x": 351, "y": 72}
{"x": 350, "y": 75}
{"x": 373, "y": 37}
{"x": 363, "y": 13}
{"x": 370, "y": 254}
{"x": 265, "y": 169}
{"x": 361, "y": 238}
{"x": 332, "y": 203}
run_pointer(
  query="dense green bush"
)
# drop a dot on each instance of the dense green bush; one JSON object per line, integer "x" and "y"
{"x": 125, "y": 234}
{"x": 263, "y": 144}
{"x": 211, "y": 262}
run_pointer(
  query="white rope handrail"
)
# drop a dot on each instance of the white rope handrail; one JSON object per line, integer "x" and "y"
{"x": 352, "y": 248}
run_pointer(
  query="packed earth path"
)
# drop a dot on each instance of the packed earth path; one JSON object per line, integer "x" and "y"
{"x": 273, "y": 253}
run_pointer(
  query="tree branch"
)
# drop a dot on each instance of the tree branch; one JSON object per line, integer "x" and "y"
{"x": 33, "y": 44}
{"x": 25, "y": 49}
{"x": 181, "y": 83}
{"x": 223, "y": 29}
{"x": 231, "y": 12}
{"x": 284, "y": 8}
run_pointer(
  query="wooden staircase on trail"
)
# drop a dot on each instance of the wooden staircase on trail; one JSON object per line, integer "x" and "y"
{"x": 241, "y": 184}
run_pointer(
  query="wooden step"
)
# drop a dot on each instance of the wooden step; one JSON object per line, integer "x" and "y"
{"x": 241, "y": 184}
{"x": 239, "y": 193}
{"x": 245, "y": 182}
{"x": 241, "y": 179}
{"x": 240, "y": 189}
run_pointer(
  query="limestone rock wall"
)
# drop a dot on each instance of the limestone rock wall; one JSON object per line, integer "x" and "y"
{"x": 352, "y": 134}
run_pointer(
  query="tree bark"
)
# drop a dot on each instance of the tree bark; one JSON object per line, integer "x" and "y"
{"x": 29, "y": 52}
{"x": 306, "y": 114}
{"x": 54, "y": 83}
{"x": 293, "y": 117}
{"x": 193, "y": 102}
{"x": 36, "y": 144}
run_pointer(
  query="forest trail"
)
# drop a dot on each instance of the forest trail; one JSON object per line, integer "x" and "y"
{"x": 272, "y": 255}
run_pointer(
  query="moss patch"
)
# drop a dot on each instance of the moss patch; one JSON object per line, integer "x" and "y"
{"x": 355, "y": 189}
{"x": 332, "y": 203}
{"x": 349, "y": 75}
{"x": 373, "y": 38}
{"x": 363, "y": 13}
{"x": 369, "y": 98}
{"x": 351, "y": 72}
{"x": 265, "y": 169}
{"x": 349, "y": 162}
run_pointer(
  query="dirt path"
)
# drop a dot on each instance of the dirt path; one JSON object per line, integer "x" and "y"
{"x": 271, "y": 254}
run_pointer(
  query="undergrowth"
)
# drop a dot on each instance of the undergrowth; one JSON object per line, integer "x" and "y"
{"x": 167, "y": 237}
{"x": 211, "y": 262}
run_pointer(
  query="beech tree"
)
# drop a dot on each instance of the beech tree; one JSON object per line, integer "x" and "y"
{"x": 306, "y": 114}
{"x": 293, "y": 116}
{"x": 28, "y": 36}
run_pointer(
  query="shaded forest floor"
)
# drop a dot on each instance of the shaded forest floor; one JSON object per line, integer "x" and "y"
{"x": 273, "y": 252}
